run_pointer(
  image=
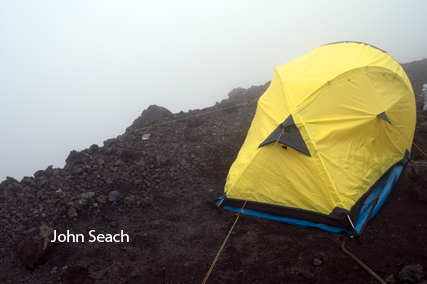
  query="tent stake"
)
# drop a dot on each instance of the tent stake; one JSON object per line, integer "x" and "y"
{"x": 210, "y": 194}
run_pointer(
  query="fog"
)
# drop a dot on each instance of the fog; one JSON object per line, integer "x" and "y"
{"x": 76, "y": 73}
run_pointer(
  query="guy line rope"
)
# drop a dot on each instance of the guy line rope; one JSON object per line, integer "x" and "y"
{"x": 238, "y": 214}
{"x": 412, "y": 144}
{"x": 247, "y": 197}
{"x": 249, "y": 194}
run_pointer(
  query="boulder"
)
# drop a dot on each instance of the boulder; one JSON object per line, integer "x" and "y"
{"x": 115, "y": 196}
{"x": 152, "y": 114}
{"x": 35, "y": 245}
{"x": 411, "y": 274}
{"x": 49, "y": 171}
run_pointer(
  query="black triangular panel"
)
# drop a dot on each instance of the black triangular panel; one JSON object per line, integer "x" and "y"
{"x": 289, "y": 121}
{"x": 384, "y": 117}
{"x": 273, "y": 137}
{"x": 291, "y": 136}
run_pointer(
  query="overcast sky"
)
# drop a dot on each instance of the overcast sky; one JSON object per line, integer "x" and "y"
{"x": 76, "y": 73}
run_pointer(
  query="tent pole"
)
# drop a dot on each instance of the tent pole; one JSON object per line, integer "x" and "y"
{"x": 369, "y": 215}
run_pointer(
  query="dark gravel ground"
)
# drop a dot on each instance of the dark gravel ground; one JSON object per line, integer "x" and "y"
{"x": 158, "y": 192}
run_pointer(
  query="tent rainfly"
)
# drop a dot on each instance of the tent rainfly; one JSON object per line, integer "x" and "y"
{"x": 329, "y": 136}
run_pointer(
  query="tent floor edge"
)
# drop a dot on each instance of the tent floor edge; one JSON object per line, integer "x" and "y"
{"x": 381, "y": 189}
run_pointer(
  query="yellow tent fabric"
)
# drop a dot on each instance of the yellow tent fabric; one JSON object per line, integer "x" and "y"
{"x": 342, "y": 116}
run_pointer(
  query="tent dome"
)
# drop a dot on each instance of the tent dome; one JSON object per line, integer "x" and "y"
{"x": 331, "y": 124}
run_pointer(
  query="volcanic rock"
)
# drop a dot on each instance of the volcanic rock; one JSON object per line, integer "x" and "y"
{"x": 152, "y": 114}
{"x": 411, "y": 274}
{"x": 115, "y": 196}
{"x": 34, "y": 246}
{"x": 102, "y": 199}
{"x": 390, "y": 279}
{"x": 128, "y": 200}
{"x": 49, "y": 171}
{"x": 72, "y": 212}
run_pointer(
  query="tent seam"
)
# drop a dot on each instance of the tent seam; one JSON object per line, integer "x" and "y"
{"x": 317, "y": 166}
{"x": 342, "y": 77}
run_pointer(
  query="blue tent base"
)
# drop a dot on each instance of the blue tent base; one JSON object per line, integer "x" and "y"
{"x": 382, "y": 190}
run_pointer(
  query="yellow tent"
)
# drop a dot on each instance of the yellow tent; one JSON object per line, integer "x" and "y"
{"x": 331, "y": 124}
